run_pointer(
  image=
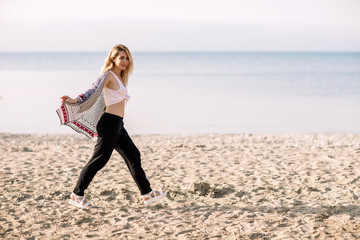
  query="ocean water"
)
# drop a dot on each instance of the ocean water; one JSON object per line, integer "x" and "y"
{"x": 192, "y": 93}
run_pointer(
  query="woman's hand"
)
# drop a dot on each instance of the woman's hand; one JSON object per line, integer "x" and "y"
{"x": 68, "y": 99}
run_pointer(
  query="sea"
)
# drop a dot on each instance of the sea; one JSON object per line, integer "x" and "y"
{"x": 186, "y": 93}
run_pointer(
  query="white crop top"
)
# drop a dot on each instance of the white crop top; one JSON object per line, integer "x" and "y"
{"x": 115, "y": 96}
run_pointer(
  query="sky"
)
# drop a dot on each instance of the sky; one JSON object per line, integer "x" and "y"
{"x": 182, "y": 25}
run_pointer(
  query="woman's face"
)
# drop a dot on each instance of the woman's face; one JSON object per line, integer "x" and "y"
{"x": 122, "y": 60}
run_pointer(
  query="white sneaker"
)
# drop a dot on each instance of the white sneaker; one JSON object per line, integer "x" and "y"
{"x": 153, "y": 196}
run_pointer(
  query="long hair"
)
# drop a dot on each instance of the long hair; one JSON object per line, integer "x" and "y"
{"x": 109, "y": 64}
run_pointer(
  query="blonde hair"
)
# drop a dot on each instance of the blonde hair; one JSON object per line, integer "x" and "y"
{"x": 109, "y": 64}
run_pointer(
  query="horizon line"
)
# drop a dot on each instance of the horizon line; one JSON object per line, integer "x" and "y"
{"x": 235, "y": 51}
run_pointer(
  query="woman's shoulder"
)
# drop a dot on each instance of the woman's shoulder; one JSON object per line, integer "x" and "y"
{"x": 109, "y": 78}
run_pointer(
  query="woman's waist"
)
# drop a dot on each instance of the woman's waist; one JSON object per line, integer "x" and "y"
{"x": 112, "y": 115}
{"x": 117, "y": 109}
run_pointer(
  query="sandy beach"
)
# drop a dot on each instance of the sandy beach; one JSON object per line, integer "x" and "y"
{"x": 219, "y": 187}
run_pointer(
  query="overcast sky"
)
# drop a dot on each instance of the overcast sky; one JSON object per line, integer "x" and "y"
{"x": 182, "y": 25}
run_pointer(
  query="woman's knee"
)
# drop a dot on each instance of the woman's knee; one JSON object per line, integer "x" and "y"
{"x": 137, "y": 154}
{"x": 97, "y": 162}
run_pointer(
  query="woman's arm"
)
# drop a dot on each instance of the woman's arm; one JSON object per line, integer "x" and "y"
{"x": 84, "y": 96}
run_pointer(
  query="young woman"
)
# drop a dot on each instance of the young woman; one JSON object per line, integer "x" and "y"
{"x": 98, "y": 113}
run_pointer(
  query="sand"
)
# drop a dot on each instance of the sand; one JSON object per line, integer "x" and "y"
{"x": 219, "y": 187}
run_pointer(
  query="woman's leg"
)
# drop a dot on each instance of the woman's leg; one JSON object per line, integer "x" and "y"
{"x": 108, "y": 127}
{"x": 127, "y": 149}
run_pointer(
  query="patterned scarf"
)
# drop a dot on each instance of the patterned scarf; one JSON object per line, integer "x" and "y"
{"x": 84, "y": 115}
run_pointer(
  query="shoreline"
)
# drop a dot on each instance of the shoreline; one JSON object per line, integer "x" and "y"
{"x": 220, "y": 186}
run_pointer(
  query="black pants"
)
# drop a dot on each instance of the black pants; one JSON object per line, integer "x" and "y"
{"x": 112, "y": 135}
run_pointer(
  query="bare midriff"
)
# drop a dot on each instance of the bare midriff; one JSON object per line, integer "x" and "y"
{"x": 117, "y": 108}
